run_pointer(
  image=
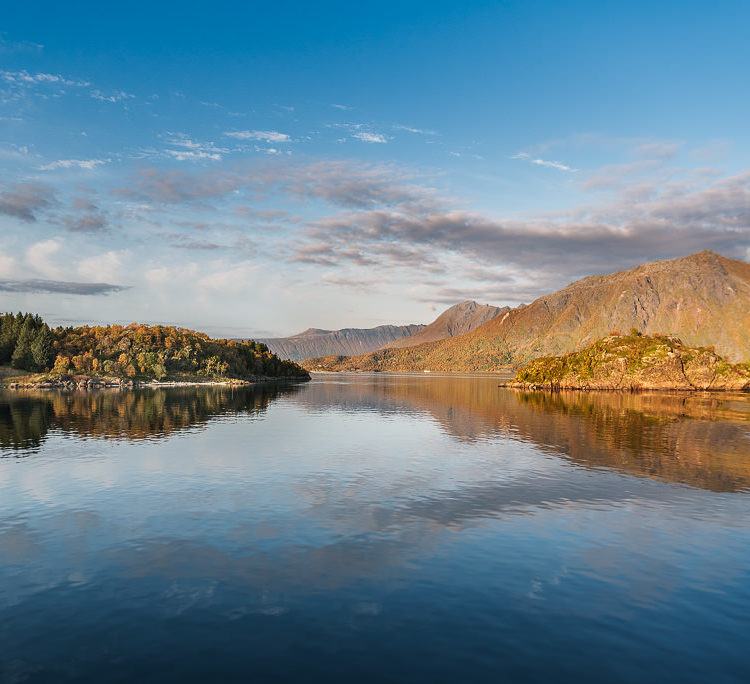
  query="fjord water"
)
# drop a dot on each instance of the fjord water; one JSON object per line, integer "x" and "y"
{"x": 374, "y": 528}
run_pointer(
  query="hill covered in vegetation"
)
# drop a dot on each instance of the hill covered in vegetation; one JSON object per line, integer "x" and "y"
{"x": 134, "y": 352}
{"x": 635, "y": 362}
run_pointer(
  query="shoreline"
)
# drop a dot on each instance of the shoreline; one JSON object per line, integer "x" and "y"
{"x": 92, "y": 383}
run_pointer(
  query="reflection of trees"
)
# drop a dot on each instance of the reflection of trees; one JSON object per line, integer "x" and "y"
{"x": 24, "y": 422}
{"x": 697, "y": 439}
{"x": 25, "y": 418}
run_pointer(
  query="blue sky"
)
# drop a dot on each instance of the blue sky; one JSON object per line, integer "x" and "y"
{"x": 247, "y": 169}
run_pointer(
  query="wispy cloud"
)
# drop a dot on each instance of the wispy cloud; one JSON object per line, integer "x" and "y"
{"x": 264, "y": 136}
{"x": 87, "y": 164}
{"x": 344, "y": 108}
{"x": 38, "y": 286}
{"x": 115, "y": 96}
{"x": 25, "y": 200}
{"x": 544, "y": 162}
{"x": 362, "y": 132}
{"x": 410, "y": 129}
{"x": 13, "y": 46}
{"x": 25, "y": 78}
{"x": 192, "y": 150}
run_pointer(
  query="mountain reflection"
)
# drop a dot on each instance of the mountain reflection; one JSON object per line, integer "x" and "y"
{"x": 26, "y": 418}
{"x": 698, "y": 439}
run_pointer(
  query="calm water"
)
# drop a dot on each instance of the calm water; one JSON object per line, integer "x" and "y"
{"x": 374, "y": 528}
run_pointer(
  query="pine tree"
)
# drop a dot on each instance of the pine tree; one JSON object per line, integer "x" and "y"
{"x": 22, "y": 358}
{"x": 41, "y": 349}
{"x": 7, "y": 338}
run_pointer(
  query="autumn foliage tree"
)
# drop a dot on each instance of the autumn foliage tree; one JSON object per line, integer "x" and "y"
{"x": 135, "y": 351}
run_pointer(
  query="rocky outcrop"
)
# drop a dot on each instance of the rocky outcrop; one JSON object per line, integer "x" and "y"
{"x": 636, "y": 362}
{"x": 71, "y": 382}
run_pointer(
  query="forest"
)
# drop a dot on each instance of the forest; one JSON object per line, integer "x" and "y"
{"x": 133, "y": 351}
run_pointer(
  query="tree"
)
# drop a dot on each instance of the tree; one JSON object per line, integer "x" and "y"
{"x": 41, "y": 348}
{"x": 22, "y": 358}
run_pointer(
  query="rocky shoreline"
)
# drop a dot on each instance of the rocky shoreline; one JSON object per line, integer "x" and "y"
{"x": 86, "y": 382}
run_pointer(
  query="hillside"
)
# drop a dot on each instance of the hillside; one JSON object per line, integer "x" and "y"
{"x": 459, "y": 319}
{"x": 636, "y": 362}
{"x": 132, "y": 352}
{"x": 704, "y": 299}
{"x": 346, "y": 342}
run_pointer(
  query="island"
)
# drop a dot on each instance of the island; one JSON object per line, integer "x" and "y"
{"x": 635, "y": 362}
{"x": 34, "y": 355}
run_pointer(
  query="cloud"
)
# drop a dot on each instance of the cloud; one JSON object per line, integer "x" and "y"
{"x": 25, "y": 200}
{"x": 110, "y": 264}
{"x": 410, "y": 129}
{"x": 677, "y": 220}
{"x": 192, "y": 150}
{"x": 264, "y": 136}
{"x": 614, "y": 176}
{"x": 91, "y": 223}
{"x": 15, "y": 46}
{"x": 659, "y": 150}
{"x": 344, "y": 108}
{"x": 37, "y": 286}
{"x": 87, "y": 164}
{"x": 40, "y": 257}
{"x": 361, "y": 132}
{"x": 366, "y": 136}
{"x": 26, "y": 79}
{"x": 115, "y": 96}
{"x": 340, "y": 183}
{"x": 543, "y": 162}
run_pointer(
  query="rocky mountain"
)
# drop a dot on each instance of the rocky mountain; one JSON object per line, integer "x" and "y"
{"x": 348, "y": 341}
{"x": 704, "y": 299}
{"x": 635, "y": 362}
{"x": 459, "y": 319}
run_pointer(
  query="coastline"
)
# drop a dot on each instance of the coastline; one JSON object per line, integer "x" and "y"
{"x": 91, "y": 383}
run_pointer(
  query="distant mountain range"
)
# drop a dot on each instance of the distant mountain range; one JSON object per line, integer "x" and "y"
{"x": 458, "y": 319}
{"x": 704, "y": 299}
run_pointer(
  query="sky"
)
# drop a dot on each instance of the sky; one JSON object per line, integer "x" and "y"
{"x": 261, "y": 168}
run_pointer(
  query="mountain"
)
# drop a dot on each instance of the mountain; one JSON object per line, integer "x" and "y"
{"x": 345, "y": 342}
{"x": 704, "y": 299}
{"x": 312, "y": 342}
{"x": 460, "y": 318}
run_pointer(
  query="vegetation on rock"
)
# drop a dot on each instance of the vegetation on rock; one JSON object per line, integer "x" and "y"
{"x": 636, "y": 361}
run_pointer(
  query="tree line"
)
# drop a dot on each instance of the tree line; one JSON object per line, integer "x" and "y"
{"x": 132, "y": 351}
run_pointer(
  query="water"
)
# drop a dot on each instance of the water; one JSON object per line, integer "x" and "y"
{"x": 374, "y": 528}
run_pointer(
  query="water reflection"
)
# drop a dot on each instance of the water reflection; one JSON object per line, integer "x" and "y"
{"x": 311, "y": 528}
{"x": 700, "y": 439}
{"x": 26, "y": 417}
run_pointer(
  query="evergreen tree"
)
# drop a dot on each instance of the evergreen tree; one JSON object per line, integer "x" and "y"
{"x": 41, "y": 348}
{"x": 7, "y": 338}
{"x": 22, "y": 358}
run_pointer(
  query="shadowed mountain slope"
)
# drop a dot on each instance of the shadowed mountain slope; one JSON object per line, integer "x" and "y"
{"x": 348, "y": 341}
{"x": 704, "y": 299}
{"x": 459, "y": 319}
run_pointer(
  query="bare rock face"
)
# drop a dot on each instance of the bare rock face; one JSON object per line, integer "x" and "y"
{"x": 636, "y": 362}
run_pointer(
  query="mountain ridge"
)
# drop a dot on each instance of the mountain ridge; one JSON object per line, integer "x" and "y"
{"x": 457, "y": 319}
{"x": 703, "y": 298}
